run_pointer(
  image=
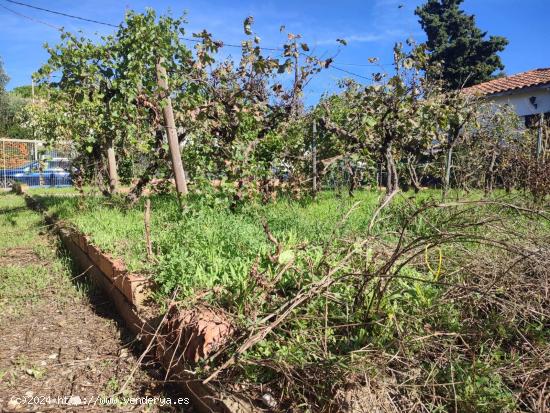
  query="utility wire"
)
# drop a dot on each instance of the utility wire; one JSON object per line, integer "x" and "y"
{"x": 349, "y": 73}
{"x": 183, "y": 38}
{"x": 331, "y": 66}
{"x": 53, "y": 26}
{"x": 278, "y": 49}
{"x": 60, "y": 13}
{"x": 366, "y": 64}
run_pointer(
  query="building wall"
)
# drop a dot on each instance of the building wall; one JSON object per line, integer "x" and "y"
{"x": 520, "y": 101}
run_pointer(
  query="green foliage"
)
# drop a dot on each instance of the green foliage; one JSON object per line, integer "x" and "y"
{"x": 12, "y": 110}
{"x": 26, "y": 91}
{"x": 11, "y": 107}
{"x": 209, "y": 245}
{"x": 109, "y": 89}
{"x": 482, "y": 388}
{"x": 418, "y": 310}
{"x": 398, "y": 118}
{"x": 231, "y": 115}
{"x": 4, "y": 78}
{"x": 251, "y": 122}
{"x": 458, "y": 45}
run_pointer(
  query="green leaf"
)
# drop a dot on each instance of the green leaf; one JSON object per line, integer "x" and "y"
{"x": 370, "y": 121}
{"x": 286, "y": 257}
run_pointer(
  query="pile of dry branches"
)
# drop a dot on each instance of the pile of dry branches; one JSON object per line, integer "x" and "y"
{"x": 450, "y": 312}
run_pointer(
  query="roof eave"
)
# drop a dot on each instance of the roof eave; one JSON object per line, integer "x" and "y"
{"x": 513, "y": 91}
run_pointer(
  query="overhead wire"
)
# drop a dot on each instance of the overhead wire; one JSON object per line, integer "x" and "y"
{"x": 53, "y": 26}
{"x": 278, "y": 49}
{"x": 332, "y": 66}
{"x": 61, "y": 13}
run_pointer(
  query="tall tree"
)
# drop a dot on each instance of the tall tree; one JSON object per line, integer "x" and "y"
{"x": 466, "y": 56}
{"x": 4, "y": 78}
{"x": 11, "y": 106}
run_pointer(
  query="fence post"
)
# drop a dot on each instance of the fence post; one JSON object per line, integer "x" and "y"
{"x": 4, "y": 163}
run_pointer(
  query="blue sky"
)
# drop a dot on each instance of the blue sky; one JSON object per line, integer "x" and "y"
{"x": 371, "y": 27}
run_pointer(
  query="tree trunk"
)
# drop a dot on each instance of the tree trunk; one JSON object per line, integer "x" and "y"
{"x": 489, "y": 181}
{"x": 170, "y": 126}
{"x": 412, "y": 174}
{"x": 147, "y": 222}
{"x": 447, "y": 175}
{"x": 160, "y": 157}
{"x": 539, "y": 136}
{"x": 352, "y": 177}
{"x": 392, "y": 179}
{"x": 452, "y": 139}
{"x": 111, "y": 161}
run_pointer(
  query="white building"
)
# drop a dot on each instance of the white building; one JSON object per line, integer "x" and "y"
{"x": 528, "y": 92}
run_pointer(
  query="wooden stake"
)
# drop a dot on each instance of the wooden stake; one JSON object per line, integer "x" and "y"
{"x": 170, "y": 126}
{"x": 113, "y": 175}
{"x": 147, "y": 220}
{"x": 314, "y": 157}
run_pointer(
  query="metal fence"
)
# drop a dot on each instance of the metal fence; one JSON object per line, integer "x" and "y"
{"x": 34, "y": 163}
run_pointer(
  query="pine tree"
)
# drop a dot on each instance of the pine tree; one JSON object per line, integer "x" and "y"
{"x": 466, "y": 56}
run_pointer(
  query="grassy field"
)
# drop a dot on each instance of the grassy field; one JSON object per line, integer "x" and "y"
{"x": 20, "y": 285}
{"x": 437, "y": 303}
{"x": 208, "y": 240}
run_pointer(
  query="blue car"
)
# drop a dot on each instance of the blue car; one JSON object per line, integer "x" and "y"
{"x": 50, "y": 172}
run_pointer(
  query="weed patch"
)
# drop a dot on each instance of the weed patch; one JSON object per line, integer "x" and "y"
{"x": 435, "y": 304}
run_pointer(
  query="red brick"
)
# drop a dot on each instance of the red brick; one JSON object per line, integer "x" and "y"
{"x": 101, "y": 261}
{"x": 134, "y": 287}
{"x": 83, "y": 242}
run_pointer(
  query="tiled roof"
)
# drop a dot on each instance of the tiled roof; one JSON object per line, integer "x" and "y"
{"x": 521, "y": 80}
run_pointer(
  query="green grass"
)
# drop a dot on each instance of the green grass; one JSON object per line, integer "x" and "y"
{"x": 211, "y": 250}
{"x": 20, "y": 286}
{"x": 209, "y": 245}
{"x": 28, "y": 263}
{"x": 61, "y": 191}
{"x": 15, "y": 215}
{"x": 22, "y": 282}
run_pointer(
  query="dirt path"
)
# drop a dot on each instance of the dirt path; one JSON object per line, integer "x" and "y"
{"x": 61, "y": 348}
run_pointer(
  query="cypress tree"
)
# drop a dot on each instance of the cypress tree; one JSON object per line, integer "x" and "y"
{"x": 466, "y": 56}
